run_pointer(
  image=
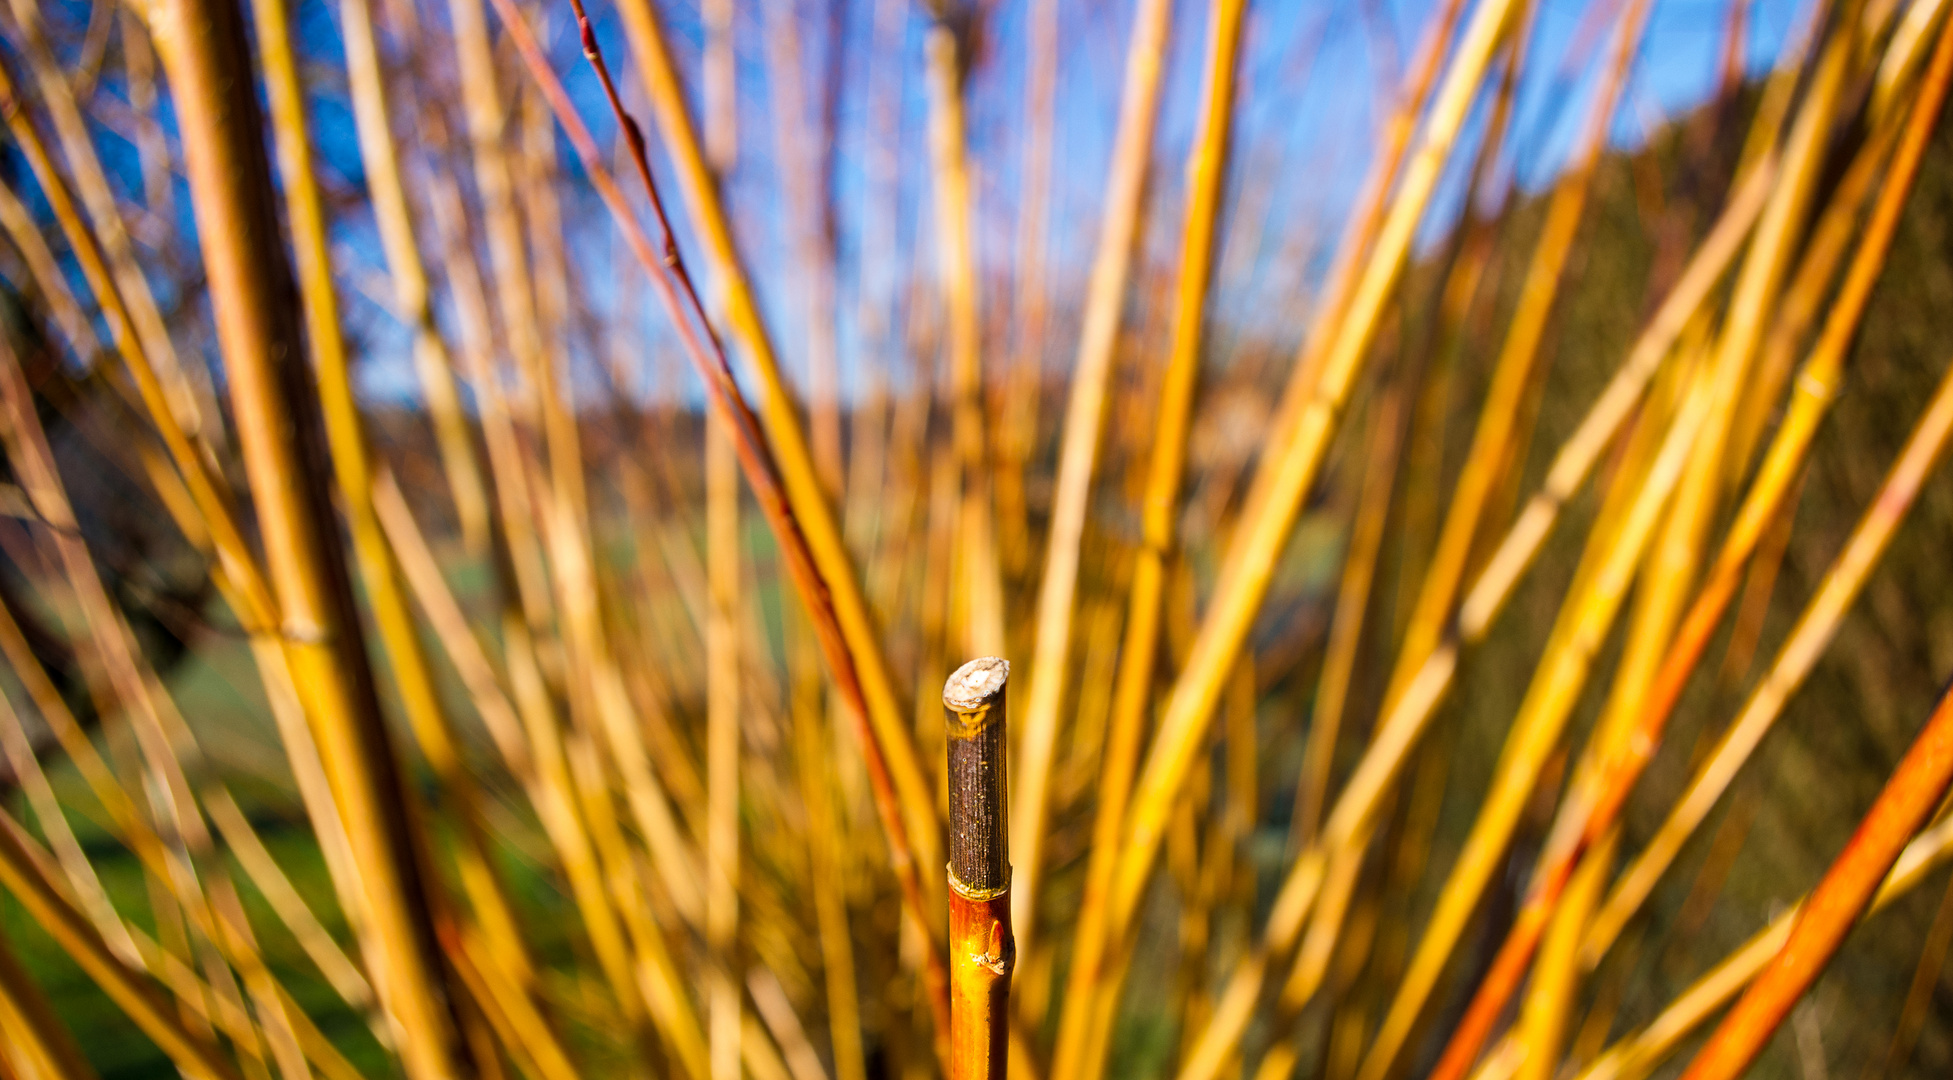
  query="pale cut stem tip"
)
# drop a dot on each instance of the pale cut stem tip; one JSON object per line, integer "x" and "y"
{"x": 976, "y": 684}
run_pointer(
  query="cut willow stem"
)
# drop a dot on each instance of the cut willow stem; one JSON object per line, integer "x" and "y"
{"x": 669, "y": 278}
{"x": 981, "y": 948}
{"x": 205, "y": 53}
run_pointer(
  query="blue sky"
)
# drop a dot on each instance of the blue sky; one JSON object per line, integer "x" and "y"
{"x": 1314, "y": 80}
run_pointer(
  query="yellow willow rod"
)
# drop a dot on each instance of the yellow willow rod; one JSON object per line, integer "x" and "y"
{"x": 1753, "y": 304}
{"x": 1105, "y": 297}
{"x": 1578, "y": 634}
{"x": 128, "y": 683}
{"x": 977, "y": 591}
{"x": 207, "y": 58}
{"x": 83, "y": 882}
{"x": 126, "y": 822}
{"x": 1556, "y": 986}
{"x": 284, "y": 899}
{"x": 1206, "y": 165}
{"x": 1259, "y": 542}
{"x": 1499, "y": 417}
{"x": 1023, "y": 390}
{"x": 1815, "y": 628}
{"x": 1382, "y": 447}
{"x": 1400, "y": 729}
{"x": 1616, "y": 755}
{"x": 780, "y": 415}
{"x": 346, "y": 436}
{"x": 539, "y": 762}
{"x": 49, "y": 278}
{"x": 1562, "y": 674}
{"x": 1360, "y": 233}
{"x": 824, "y": 863}
{"x": 1639, "y": 1054}
{"x": 722, "y": 564}
{"x": 412, "y": 299}
{"x": 562, "y": 510}
{"x": 797, "y": 151}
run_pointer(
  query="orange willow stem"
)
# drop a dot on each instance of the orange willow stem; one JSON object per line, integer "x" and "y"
{"x": 1581, "y": 827}
{"x": 1637, "y": 1055}
{"x": 1837, "y": 903}
{"x": 982, "y": 950}
{"x": 673, "y": 284}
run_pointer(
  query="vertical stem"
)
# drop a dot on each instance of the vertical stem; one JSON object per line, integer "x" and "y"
{"x": 1206, "y": 167}
{"x": 722, "y": 747}
{"x": 345, "y": 431}
{"x": 411, "y": 297}
{"x": 979, "y": 590}
{"x": 1084, "y": 417}
{"x": 981, "y": 948}
{"x": 205, "y": 53}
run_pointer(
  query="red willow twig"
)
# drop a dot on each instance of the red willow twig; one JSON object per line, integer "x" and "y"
{"x": 706, "y": 352}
